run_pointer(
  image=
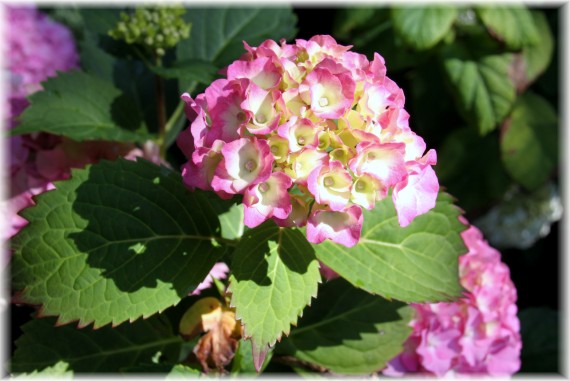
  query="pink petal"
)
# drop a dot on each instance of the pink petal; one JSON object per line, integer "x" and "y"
{"x": 342, "y": 227}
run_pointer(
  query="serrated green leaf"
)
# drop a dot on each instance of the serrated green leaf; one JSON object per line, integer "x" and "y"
{"x": 418, "y": 263}
{"x": 117, "y": 241}
{"x": 540, "y": 333}
{"x": 422, "y": 27}
{"x": 82, "y": 107}
{"x": 510, "y": 24}
{"x": 529, "y": 141}
{"x": 274, "y": 276}
{"x": 59, "y": 370}
{"x": 218, "y": 33}
{"x": 537, "y": 56}
{"x": 476, "y": 180}
{"x": 193, "y": 70}
{"x": 168, "y": 371}
{"x": 104, "y": 350}
{"x": 183, "y": 371}
{"x": 482, "y": 85}
{"x": 349, "y": 331}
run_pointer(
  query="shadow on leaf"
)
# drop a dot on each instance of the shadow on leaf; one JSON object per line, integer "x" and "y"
{"x": 144, "y": 230}
{"x": 258, "y": 244}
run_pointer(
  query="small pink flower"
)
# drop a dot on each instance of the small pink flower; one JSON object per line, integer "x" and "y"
{"x": 261, "y": 71}
{"x": 417, "y": 193}
{"x": 343, "y": 227}
{"x": 383, "y": 161}
{"x": 305, "y": 161}
{"x": 331, "y": 185}
{"x": 330, "y": 95}
{"x": 298, "y": 216}
{"x": 267, "y": 199}
{"x": 300, "y": 133}
{"x": 245, "y": 162}
{"x": 259, "y": 104}
{"x": 224, "y": 105}
{"x": 366, "y": 190}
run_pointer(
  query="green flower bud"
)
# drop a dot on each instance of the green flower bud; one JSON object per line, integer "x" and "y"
{"x": 157, "y": 29}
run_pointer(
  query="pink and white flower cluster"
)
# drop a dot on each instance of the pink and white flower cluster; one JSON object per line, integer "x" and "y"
{"x": 478, "y": 334}
{"x": 309, "y": 133}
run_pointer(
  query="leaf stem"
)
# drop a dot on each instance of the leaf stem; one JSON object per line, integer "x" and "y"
{"x": 177, "y": 116}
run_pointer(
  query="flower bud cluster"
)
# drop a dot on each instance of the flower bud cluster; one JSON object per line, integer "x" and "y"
{"x": 156, "y": 29}
{"x": 309, "y": 133}
{"x": 477, "y": 334}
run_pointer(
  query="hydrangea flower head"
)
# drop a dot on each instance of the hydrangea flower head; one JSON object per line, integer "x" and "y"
{"x": 310, "y": 133}
{"x": 478, "y": 334}
{"x": 36, "y": 47}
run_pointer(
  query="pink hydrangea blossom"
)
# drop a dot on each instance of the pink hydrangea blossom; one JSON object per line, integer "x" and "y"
{"x": 37, "y": 48}
{"x": 478, "y": 334}
{"x": 328, "y": 119}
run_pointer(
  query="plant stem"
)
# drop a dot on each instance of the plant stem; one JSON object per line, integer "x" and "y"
{"x": 177, "y": 116}
{"x": 160, "y": 110}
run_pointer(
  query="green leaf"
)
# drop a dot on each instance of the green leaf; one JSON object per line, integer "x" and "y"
{"x": 100, "y": 20}
{"x": 537, "y": 56}
{"x": 418, "y": 263}
{"x": 274, "y": 276}
{"x": 540, "y": 335}
{"x": 84, "y": 350}
{"x": 482, "y": 85}
{"x": 230, "y": 214}
{"x": 218, "y": 33}
{"x": 59, "y": 370}
{"x": 193, "y": 70}
{"x": 422, "y": 27}
{"x": 82, "y": 107}
{"x": 349, "y": 331}
{"x": 163, "y": 369}
{"x": 349, "y": 19}
{"x": 476, "y": 180}
{"x": 183, "y": 371}
{"x": 117, "y": 241}
{"x": 510, "y": 24}
{"x": 529, "y": 141}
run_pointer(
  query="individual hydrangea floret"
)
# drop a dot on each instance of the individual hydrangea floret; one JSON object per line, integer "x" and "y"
{"x": 479, "y": 334}
{"x": 309, "y": 133}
